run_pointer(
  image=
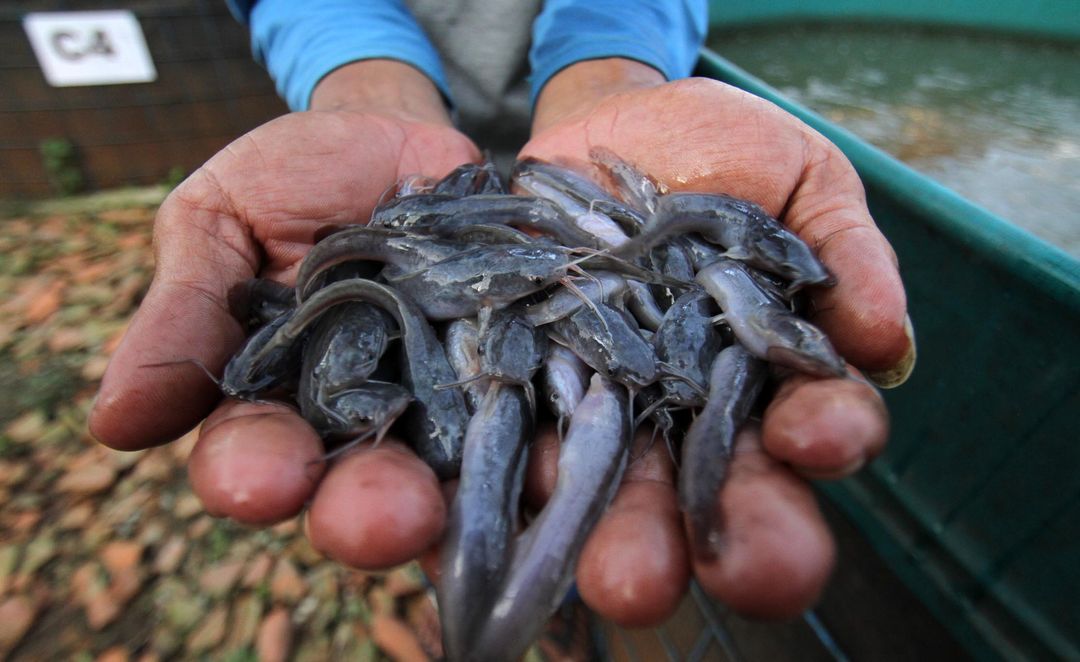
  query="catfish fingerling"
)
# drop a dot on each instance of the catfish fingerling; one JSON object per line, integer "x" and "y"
{"x": 592, "y": 459}
{"x": 736, "y": 378}
{"x": 604, "y": 339}
{"x": 742, "y": 227}
{"x": 765, "y": 327}
{"x": 437, "y": 428}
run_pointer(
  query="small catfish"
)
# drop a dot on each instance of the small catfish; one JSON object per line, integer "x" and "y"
{"x": 462, "y": 343}
{"x": 736, "y": 378}
{"x": 686, "y": 344}
{"x": 345, "y": 347}
{"x": 635, "y": 187}
{"x": 766, "y": 328}
{"x": 599, "y": 286}
{"x": 437, "y": 429}
{"x": 257, "y": 301}
{"x": 262, "y": 363}
{"x": 606, "y": 340}
{"x": 495, "y": 276}
{"x": 592, "y": 207}
{"x": 564, "y": 380}
{"x": 747, "y": 232}
{"x": 405, "y": 251}
{"x": 471, "y": 179}
{"x": 476, "y": 548}
{"x": 442, "y": 214}
{"x": 592, "y": 459}
{"x": 352, "y": 415}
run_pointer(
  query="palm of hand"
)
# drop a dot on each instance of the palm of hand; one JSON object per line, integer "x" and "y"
{"x": 699, "y": 135}
{"x": 253, "y": 209}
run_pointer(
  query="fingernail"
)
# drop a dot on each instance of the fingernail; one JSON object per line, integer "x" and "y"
{"x": 898, "y": 374}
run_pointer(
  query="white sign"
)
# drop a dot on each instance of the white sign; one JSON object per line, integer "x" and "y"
{"x": 90, "y": 47}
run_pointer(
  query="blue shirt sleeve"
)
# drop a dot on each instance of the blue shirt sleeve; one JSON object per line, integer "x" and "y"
{"x": 301, "y": 42}
{"x": 665, "y": 34}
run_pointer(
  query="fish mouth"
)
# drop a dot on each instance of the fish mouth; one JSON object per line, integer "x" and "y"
{"x": 809, "y": 364}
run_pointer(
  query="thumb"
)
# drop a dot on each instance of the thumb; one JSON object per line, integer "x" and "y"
{"x": 202, "y": 251}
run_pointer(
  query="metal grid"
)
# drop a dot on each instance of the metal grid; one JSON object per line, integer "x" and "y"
{"x": 209, "y": 91}
{"x": 700, "y": 631}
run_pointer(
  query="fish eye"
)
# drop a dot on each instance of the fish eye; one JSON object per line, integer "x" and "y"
{"x": 611, "y": 371}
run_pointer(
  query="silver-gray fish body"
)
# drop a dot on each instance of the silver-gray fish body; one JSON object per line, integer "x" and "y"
{"x": 565, "y": 378}
{"x": 601, "y": 286}
{"x": 742, "y": 227}
{"x": 258, "y": 301}
{"x": 484, "y": 276}
{"x": 673, "y": 260}
{"x": 462, "y": 341}
{"x": 635, "y": 187}
{"x": 344, "y": 348}
{"x": 471, "y": 179}
{"x": 736, "y": 378}
{"x": 511, "y": 349}
{"x": 406, "y": 252}
{"x": 574, "y": 192}
{"x": 438, "y": 426}
{"x": 441, "y": 214}
{"x": 609, "y": 344}
{"x": 687, "y": 341}
{"x": 476, "y": 548}
{"x": 529, "y": 177}
{"x": 642, "y": 304}
{"x": 765, "y": 327}
{"x": 592, "y": 459}
{"x": 370, "y": 407}
{"x": 264, "y": 361}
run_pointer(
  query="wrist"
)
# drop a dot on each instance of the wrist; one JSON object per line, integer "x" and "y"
{"x": 578, "y": 88}
{"x": 384, "y": 87}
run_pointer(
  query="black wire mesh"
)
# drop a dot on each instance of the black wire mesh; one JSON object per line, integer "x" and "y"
{"x": 865, "y": 613}
{"x": 208, "y": 92}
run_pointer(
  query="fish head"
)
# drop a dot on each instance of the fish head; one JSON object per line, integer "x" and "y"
{"x": 795, "y": 343}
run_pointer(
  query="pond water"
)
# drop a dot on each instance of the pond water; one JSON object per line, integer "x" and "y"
{"x": 995, "y": 119}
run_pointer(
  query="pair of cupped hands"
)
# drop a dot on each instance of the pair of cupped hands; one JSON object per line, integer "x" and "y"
{"x": 255, "y": 208}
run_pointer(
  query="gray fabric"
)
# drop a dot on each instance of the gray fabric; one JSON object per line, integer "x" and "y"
{"x": 484, "y": 46}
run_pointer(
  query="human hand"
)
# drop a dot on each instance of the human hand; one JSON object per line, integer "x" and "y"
{"x": 254, "y": 210}
{"x": 702, "y": 135}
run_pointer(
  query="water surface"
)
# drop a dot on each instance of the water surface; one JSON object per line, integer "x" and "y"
{"x": 994, "y": 118}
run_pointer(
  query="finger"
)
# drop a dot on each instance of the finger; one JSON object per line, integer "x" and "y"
{"x": 377, "y": 508}
{"x": 430, "y": 560}
{"x": 770, "y": 157}
{"x": 865, "y": 313}
{"x": 775, "y": 552}
{"x": 825, "y": 428}
{"x": 262, "y": 199}
{"x": 255, "y": 463}
{"x": 634, "y": 568}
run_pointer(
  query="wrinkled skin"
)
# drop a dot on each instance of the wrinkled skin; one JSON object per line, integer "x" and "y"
{"x": 254, "y": 210}
{"x": 824, "y": 428}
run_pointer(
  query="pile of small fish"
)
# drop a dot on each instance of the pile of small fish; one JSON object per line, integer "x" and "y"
{"x": 649, "y": 305}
